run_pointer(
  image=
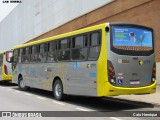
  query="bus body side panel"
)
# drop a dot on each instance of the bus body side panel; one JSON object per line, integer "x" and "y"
{"x": 78, "y": 78}
{"x": 42, "y": 75}
{"x": 15, "y": 74}
{"x": 31, "y": 73}
{"x": 102, "y": 66}
{"x": 81, "y": 78}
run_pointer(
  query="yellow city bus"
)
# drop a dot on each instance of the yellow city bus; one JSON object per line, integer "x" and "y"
{"x": 5, "y": 67}
{"x": 103, "y": 60}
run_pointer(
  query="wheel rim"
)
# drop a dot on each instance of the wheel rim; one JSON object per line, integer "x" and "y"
{"x": 22, "y": 83}
{"x": 58, "y": 90}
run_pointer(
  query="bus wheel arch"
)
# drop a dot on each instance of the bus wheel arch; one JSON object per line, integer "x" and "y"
{"x": 21, "y": 83}
{"x": 57, "y": 89}
{"x": 20, "y": 76}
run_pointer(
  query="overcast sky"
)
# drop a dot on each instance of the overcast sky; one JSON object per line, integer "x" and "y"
{"x": 6, "y": 8}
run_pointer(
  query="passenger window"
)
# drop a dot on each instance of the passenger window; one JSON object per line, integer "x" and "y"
{"x": 63, "y": 44}
{"x": 94, "y": 48}
{"x": 79, "y": 48}
{"x": 79, "y": 54}
{"x": 34, "y": 53}
{"x": 94, "y": 53}
{"x": 52, "y": 52}
{"x": 78, "y": 42}
{"x": 64, "y": 55}
{"x": 25, "y": 55}
{"x": 64, "y": 50}
{"x": 94, "y": 39}
{"x": 23, "y": 52}
{"x": 16, "y": 53}
{"x": 42, "y": 52}
{"x": 52, "y": 46}
{"x": 20, "y": 55}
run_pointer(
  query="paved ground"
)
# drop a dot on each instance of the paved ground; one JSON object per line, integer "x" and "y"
{"x": 148, "y": 98}
{"x": 12, "y": 99}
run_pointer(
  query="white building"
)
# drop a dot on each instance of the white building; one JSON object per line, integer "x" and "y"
{"x": 32, "y": 18}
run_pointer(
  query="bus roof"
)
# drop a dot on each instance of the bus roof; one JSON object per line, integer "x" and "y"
{"x": 88, "y": 29}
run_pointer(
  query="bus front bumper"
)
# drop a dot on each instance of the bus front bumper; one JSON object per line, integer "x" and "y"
{"x": 7, "y": 77}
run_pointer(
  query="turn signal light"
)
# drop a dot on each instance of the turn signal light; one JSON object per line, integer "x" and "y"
{"x": 110, "y": 69}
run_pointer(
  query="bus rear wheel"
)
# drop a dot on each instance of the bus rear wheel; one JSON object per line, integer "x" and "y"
{"x": 58, "y": 90}
{"x": 22, "y": 84}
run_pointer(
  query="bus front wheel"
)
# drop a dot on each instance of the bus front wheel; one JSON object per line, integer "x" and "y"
{"x": 22, "y": 85}
{"x": 58, "y": 90}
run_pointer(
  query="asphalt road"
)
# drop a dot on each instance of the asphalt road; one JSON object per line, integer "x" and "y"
{"x": 12, "y": 99}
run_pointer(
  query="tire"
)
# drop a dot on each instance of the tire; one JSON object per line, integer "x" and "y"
{"x": 21, "y": 84}
{"x": 58, "y": 90}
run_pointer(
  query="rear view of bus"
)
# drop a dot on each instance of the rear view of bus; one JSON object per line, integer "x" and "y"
{"x": 5, "y": 66}
{"x": 131, "y": 60}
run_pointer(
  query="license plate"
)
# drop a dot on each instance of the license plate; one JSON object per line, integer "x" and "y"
{"x": 134, "y": 82}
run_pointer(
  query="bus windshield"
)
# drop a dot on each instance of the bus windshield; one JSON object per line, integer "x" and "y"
{"x": 8, "y": 56}
{"x": 136, "y": 39}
